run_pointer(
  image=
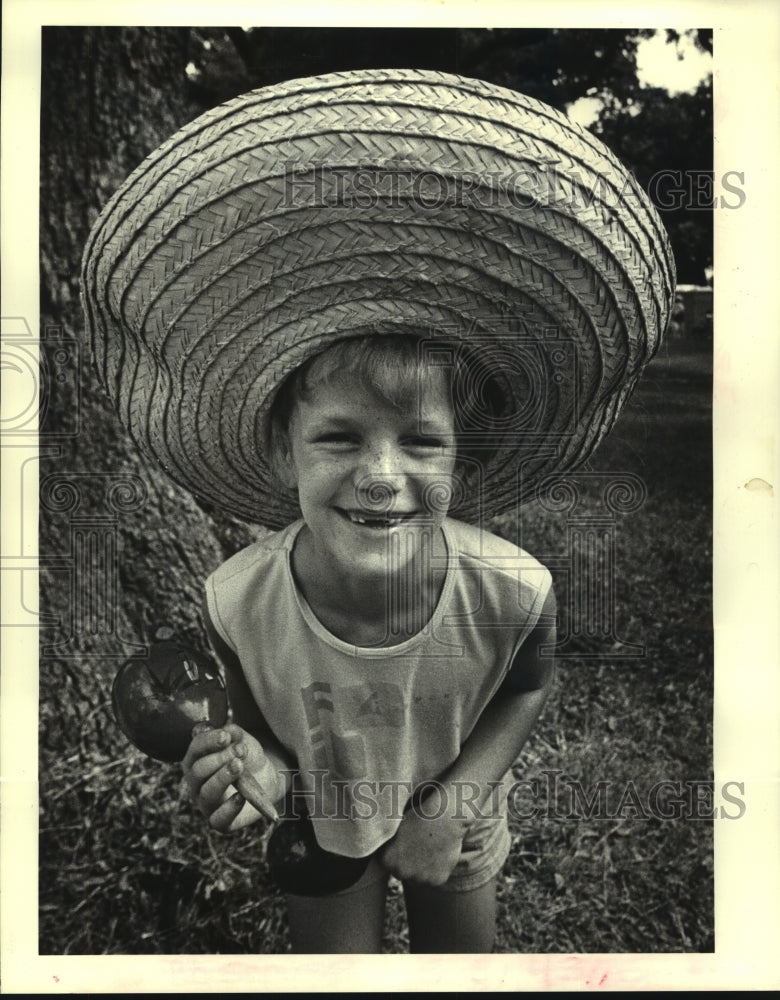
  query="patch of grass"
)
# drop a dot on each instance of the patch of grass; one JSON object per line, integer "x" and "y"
{"x": 128, "y": 868}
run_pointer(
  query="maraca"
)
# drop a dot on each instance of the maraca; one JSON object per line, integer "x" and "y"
{"x": 156, "y": 703}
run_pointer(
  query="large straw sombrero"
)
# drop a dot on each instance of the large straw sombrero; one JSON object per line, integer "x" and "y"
{"x": 374, "y": 202}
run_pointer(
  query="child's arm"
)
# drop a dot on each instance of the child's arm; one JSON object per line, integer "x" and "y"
{"x": 426, "y": 850}
{"x": 216, "y": 757}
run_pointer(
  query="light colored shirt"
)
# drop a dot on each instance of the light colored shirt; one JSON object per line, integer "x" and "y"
{"x": 367, "y": 725}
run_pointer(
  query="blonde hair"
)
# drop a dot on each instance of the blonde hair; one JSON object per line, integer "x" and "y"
{"x": 392, "y": 364}
{"x": 400, "y": 369}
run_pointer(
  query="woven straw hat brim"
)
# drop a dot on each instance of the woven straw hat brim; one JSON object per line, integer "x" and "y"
{"x": 373, "y": 202}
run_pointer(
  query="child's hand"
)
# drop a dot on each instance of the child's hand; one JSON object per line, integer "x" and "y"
{"x": 214, "y": 760}
{"x": 425, "y": 850}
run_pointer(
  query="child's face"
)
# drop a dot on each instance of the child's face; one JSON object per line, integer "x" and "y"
{"x": 367, "y": 472}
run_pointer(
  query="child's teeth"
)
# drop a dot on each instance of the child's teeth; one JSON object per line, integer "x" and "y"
{"x": 388, "y": 522}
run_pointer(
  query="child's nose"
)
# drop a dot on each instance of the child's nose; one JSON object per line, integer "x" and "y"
{"x": 381, "y": 457}
{"x": 381, "y": 477}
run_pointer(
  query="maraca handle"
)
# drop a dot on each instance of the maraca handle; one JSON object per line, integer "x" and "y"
{"x": 250, "y": 788}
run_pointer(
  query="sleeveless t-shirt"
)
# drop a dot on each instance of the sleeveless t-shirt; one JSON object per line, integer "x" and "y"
{"x": 368, "y": 725}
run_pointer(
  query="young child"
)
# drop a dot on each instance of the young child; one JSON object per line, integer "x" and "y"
{"x": 369, "y": 310}
{"x": 384, "y": 644}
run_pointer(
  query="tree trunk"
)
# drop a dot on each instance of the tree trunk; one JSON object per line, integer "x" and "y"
{"x": 122, "y": 548}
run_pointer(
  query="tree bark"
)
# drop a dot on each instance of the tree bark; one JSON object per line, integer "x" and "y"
{"x": 122, "y": 548}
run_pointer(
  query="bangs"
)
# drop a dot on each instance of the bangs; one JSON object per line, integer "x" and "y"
{"x": 391, "y": 364}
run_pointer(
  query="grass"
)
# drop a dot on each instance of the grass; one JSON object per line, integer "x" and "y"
{"x": 128, "y": 868}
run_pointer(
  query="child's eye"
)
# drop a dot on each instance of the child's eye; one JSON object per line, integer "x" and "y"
{"x": 425, "y": 441}
{"x": 335, "y": 437}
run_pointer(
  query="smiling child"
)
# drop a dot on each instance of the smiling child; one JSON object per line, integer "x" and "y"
{"x": 399, "y": 655}
{"x": 370, "y": 311}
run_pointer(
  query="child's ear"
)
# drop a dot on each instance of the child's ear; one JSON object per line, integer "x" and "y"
{"x": 282, "y": 460}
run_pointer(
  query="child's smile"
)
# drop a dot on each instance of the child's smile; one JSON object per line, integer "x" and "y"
{"x": 372, "y": 478}
{"x": 383, "y": 522}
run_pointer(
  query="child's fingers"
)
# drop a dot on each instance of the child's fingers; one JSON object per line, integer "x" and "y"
{"x": 224, "y": 815}
{"x": 214, "y": 761}
{"x": 213, "y": 790}
{"x": 235, "y": 732}
{"x": 205, "y": 768}
{"x": 205, "y": 741}
{"x": 210, "y": 753}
